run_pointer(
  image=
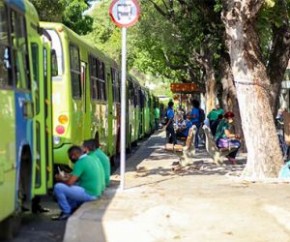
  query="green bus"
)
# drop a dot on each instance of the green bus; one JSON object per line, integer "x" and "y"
{"x": 85, "y": 94}
{"x": 25, "y": 161}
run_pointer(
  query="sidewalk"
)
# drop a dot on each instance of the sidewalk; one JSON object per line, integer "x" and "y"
{"x": 197, "y": 203}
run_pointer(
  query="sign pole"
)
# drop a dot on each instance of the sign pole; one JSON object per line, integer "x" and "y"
{"x": 124, "y": 13}
{"x": 123, "y": 110}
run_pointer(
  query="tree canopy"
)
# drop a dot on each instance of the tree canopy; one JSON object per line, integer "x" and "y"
{"x": 69, "y": 12}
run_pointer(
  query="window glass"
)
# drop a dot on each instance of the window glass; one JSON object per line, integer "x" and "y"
{"x": 116, "y": 87}
{"x": 5, "y": 53}
{"x": 93, "y": 77}
{"x": 101, "y": 81}
{"x": 57, "y": 55}
{"x": 75, "y": 71}
{"x": 142, "y": 98}
{"x": 35, "y": 74}
{"x": 20, "y": 50}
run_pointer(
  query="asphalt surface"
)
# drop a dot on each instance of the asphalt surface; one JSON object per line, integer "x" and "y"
{"x": 40, "y": 227}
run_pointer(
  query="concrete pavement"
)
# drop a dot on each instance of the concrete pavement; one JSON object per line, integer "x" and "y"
{"x": 199, "y": 203}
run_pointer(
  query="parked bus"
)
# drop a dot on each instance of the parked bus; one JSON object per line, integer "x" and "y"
{"x": 86, "y": 97}
{"x": 25, "y": 162}
{"x": 85, "y": 94}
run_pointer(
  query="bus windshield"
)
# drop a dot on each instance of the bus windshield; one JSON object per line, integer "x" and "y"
{"x": 57, "y": 47}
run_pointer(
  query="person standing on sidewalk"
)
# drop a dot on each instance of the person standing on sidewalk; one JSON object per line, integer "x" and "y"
{"x": 169, "y": 125}
{"x": 195, "y": 119}
{"x": 77, "y": 187}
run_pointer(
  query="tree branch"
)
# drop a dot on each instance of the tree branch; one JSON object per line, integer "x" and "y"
{"x": 159, "y": 10}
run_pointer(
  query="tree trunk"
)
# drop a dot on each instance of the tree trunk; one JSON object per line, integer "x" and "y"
{"x": 210, "y": 81}
{"x": 252, "y": 85}
{"x": 229, "y": 95}
{"x": 210, "y": 90}
{"x": 278, "y": 61}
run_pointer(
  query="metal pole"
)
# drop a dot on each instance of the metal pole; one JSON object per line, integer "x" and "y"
{"x": 123, "y": 111}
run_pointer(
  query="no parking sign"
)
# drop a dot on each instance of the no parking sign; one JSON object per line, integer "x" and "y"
{"x": 124, "y": 13}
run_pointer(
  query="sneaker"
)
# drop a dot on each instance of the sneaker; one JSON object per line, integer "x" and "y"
{"x": 61, "y": 217}
{"x": 39, "y": 209}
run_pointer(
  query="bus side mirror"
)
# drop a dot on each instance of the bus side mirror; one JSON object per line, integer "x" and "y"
{"x": 54, "y": 66}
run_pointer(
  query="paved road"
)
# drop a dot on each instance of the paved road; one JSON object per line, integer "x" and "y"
{"x": 40, "y": 227}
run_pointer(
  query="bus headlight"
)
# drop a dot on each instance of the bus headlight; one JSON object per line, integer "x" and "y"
{"x": 56, "y": 140}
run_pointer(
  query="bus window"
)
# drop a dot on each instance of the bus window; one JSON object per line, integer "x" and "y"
{"x": 93, "y": 76}
{"x": 57, "y": 58}
{"x": 20, "y": 51}
{"x": 75, "y": 71}
{"x": 5, "y": 56}
{"x": 35, "y": 74}
{"x": 101, "y": 81}
{"x": 54, "y": 67}
{"x": 115, "y": 82}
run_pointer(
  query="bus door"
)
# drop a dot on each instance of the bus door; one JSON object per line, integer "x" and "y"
{"x": 77, "y": 107}
{"x": 111, "y": 143}
{"x": 47, "y": 76}
{"x": 39, "y": 95}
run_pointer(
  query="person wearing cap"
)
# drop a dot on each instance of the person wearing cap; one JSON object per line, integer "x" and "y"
{"x": 169, "y": 125}
{"x": 225, "y": 136}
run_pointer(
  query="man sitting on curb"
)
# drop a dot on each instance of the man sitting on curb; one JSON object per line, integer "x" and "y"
{"x": 77, "y": 187}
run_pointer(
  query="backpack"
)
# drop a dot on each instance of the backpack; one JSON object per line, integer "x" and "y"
{"x": 201, "y": 115}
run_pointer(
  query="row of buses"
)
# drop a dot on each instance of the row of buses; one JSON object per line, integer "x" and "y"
{"x": 55, "y": 90}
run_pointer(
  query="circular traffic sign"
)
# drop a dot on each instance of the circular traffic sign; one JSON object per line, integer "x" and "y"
{"x": 124, "y": 13}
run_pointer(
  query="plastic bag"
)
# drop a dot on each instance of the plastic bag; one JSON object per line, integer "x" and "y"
{"x": 285, "y": 170}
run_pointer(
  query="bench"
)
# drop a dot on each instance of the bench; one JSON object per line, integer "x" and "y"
{"x": 216, "y": 153}
{"x": 187, "y": 151}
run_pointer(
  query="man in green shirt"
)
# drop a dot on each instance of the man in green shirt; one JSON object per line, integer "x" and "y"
{"x": 213, "y": 116}
{"x": 105, "y": 160}
{"x": 89, "y": 147}
{"x": 77, "y": 187}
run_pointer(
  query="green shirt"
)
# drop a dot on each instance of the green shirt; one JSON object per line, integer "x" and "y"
{"x": 86, "y": 171}
{"x": 220, "y": 130}
{"x": 156, "y": 113}
{"x": 101, "y": 172}
{"x": 105, "y": 161}
{"x": 213, "y": 114}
